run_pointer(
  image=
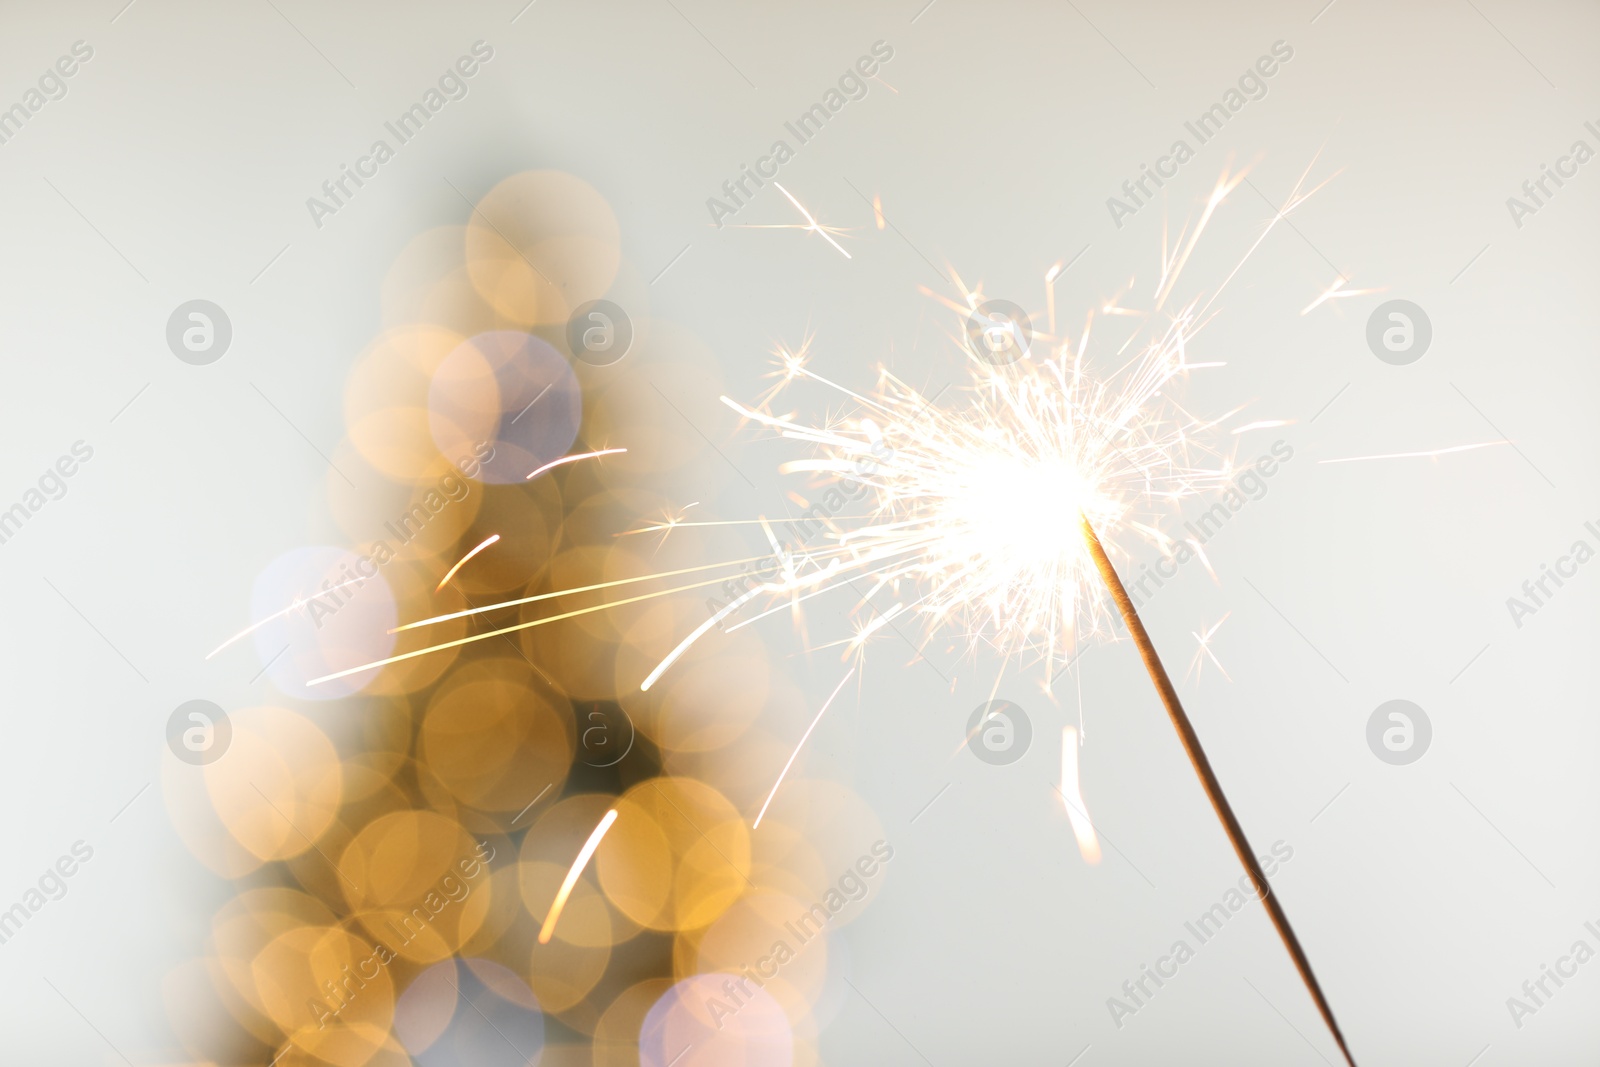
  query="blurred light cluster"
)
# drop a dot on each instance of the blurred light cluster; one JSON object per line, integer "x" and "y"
{"x": 394, "y": 841}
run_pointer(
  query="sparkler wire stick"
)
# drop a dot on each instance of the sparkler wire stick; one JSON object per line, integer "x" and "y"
{"x": 1208, "y": 779}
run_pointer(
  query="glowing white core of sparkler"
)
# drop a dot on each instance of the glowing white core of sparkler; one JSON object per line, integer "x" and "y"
{"x": 975, "y": 503}
{"x": 1013, "y": 512}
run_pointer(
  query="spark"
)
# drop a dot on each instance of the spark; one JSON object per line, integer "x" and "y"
{"x": 812, "y": 225}
{"x": 666, "y": 525}
{"x": 404, "y": 656}
{"x": 1418, "y": 455}
{"x": 877, "y": 211}
{"x": 571, "y": 880}
{"x": 300, "y": 603}
{"x": 1265, "y": 424}
{"x": 1336, "y": 291}
{"x": 876, "y": 624}
{"x": 835, "y": 567}
{"x": 451, "y": 573}
{"x": 1204, "y": 641}
{"x": 803, "y": 738}
{"x": 1072, "y": 797}
{"x": 573, "y": 459}
{"x": 698, "y": 569}
{"x": 1050, "y": 277}
{"x": 1205, "y": 560}
{"x": 968, "y": 501}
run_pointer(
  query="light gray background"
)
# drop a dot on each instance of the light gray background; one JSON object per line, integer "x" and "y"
{"x": 178, "y": 165}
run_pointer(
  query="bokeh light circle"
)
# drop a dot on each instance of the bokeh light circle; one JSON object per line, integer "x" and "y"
{"x": 502, "y": 405}
{"x": 475, "y": 1012}
{"x": 677, "y": 856}
{"x": 698, "y": 1023}
{"x": 322, "y": 610}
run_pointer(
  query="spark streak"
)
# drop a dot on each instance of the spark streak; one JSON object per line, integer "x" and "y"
{"x": 302, "y": 602}
{"x": 1336, "y": 291}
{"x": 1417, "y": 455}
{"x": 573, "y": 459}
{"x": 812, "y": 226}
{"x": 571, "y": 880}
{"x": 803, "y": 738}
{"x": 451, "y": 573}
{"x": 1072, "y": 797}
{"x": 577, "y": 589}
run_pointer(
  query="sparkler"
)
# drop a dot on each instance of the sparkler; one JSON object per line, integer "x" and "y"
{"x": 971, "y": 501}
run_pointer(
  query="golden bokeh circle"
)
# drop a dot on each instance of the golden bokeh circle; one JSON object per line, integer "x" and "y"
{"x": 386, "y": 400}
{"x": 562, "y": 975}
{"x": 279, "y": 785}
{"x": 541, "y": 243}
{"x": 329, "y": 992}
{"x": 415, "y": 880}
{"x": 777, "y": 940}
{"x": 241, "y": 928}
{"x": 677, "y": 856}
{"x": 491, "y": 730}
{"x": 616, "y": 1034}
{"x": 825, "y": 831}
